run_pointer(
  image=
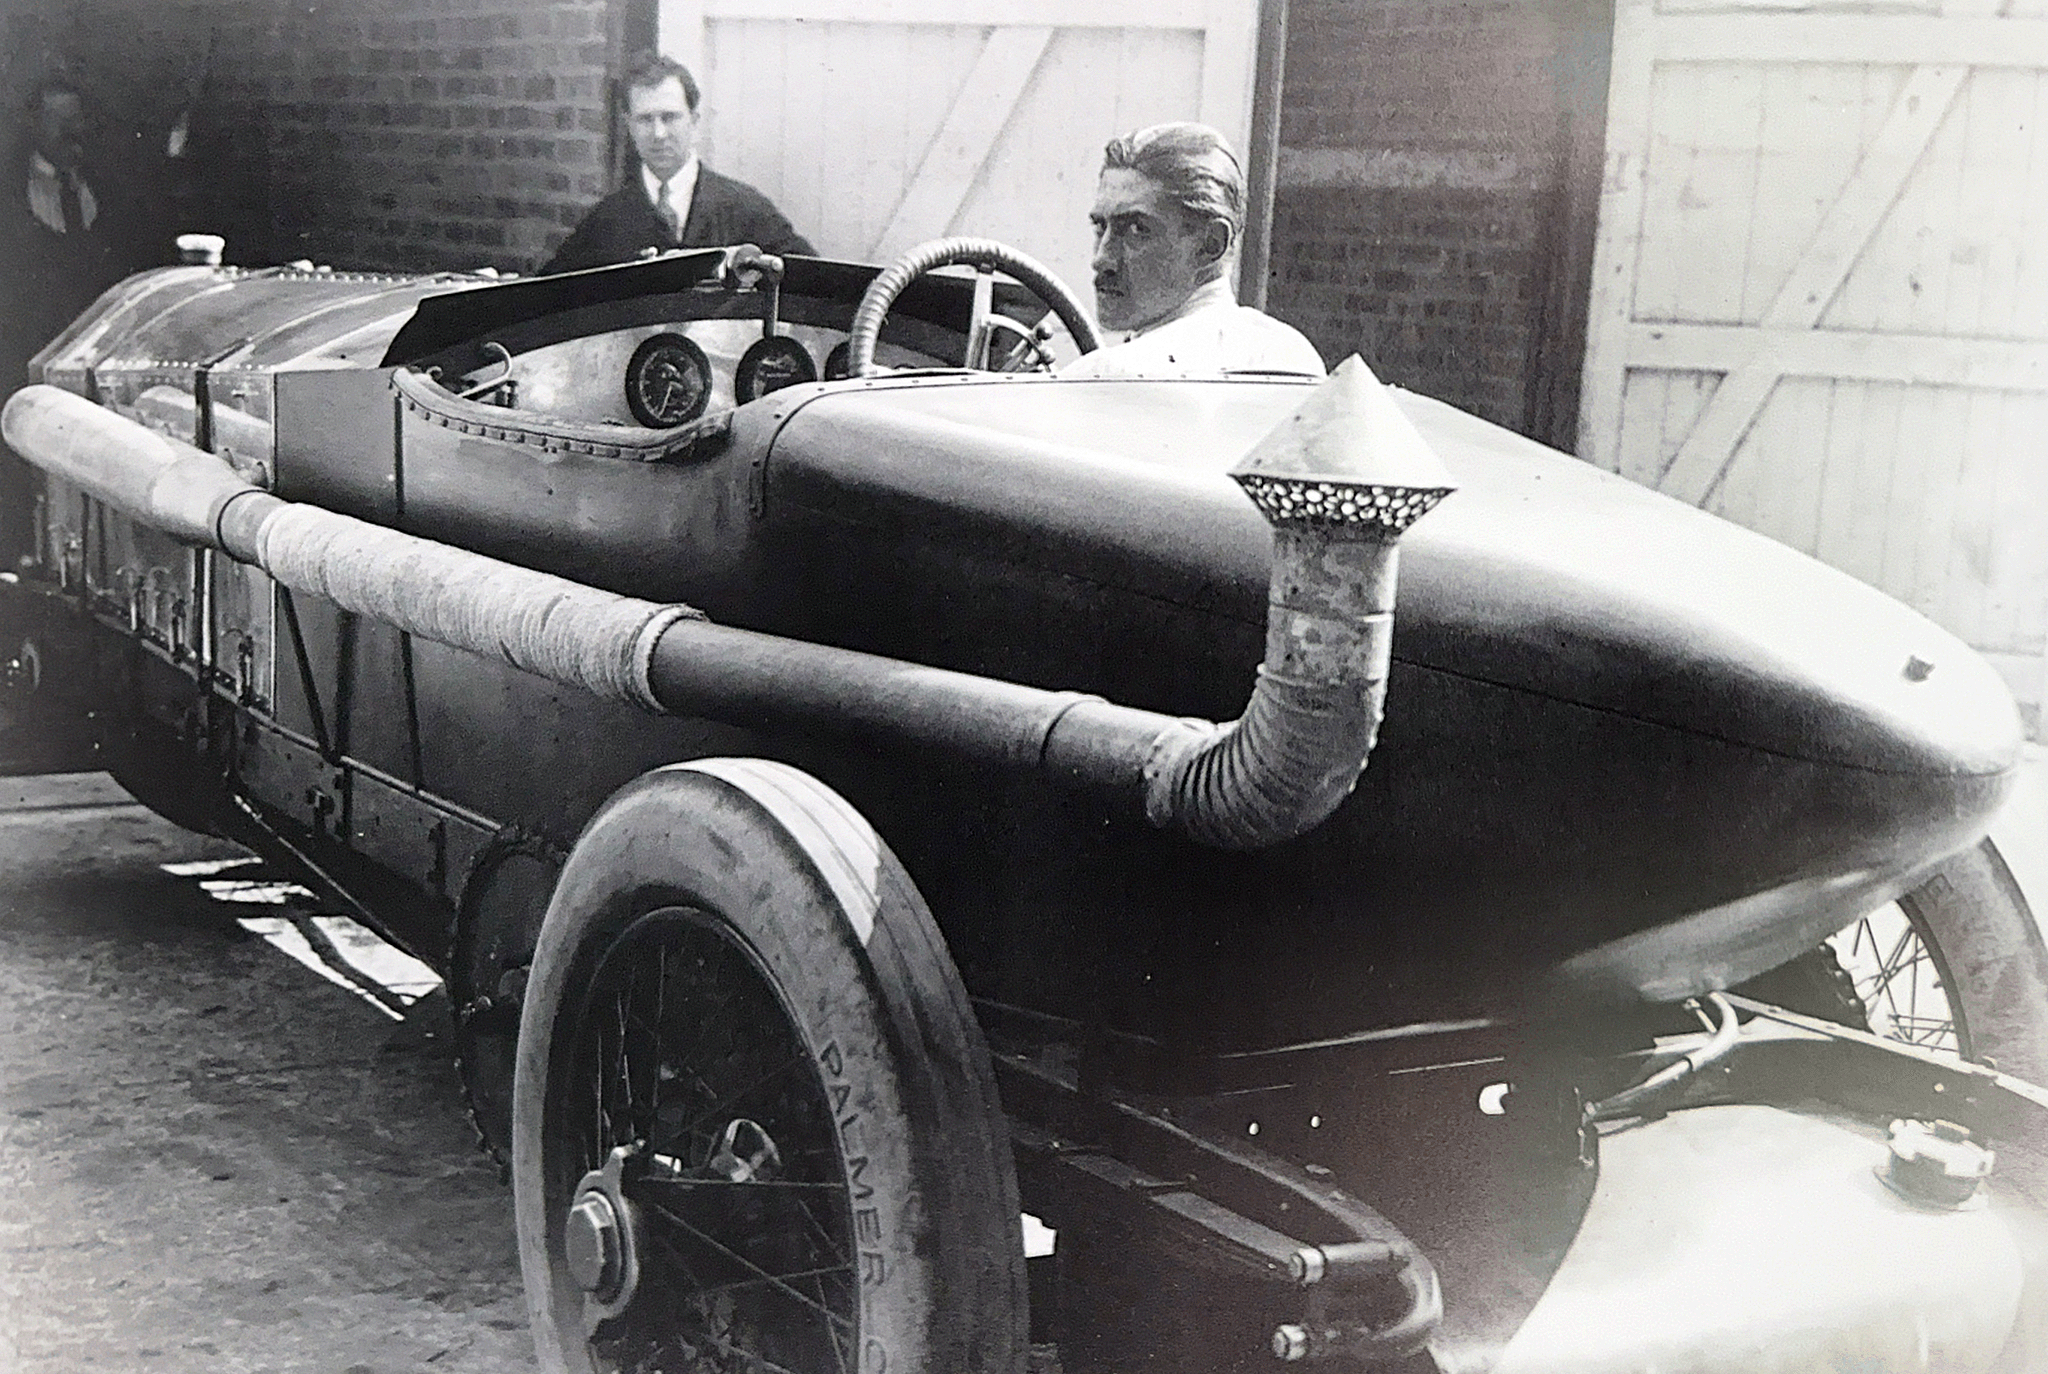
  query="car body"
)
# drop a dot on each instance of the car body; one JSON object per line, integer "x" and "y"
{"x": 1631, "y": 756}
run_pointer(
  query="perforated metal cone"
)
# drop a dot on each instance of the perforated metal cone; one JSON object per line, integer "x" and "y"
{"x": 1347, "y": 455}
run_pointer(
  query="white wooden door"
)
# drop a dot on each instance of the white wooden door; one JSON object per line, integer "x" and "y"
{"x": 878, "y": 124}
{"x": 1820, "y": 297}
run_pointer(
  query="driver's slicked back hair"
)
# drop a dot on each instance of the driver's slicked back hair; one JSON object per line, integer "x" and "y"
{"x": 648, "y": 69}
{"x": 1195, "y": 165}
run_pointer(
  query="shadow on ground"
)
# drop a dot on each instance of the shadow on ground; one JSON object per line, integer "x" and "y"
{"x": 211, "y": 1159}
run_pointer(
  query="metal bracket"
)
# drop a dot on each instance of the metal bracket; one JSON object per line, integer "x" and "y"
{"x": 1355, "y": 1285}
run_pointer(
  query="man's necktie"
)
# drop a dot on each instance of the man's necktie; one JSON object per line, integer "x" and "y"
{"x": 667, "y": 211}
{"x": 68, "y": 202}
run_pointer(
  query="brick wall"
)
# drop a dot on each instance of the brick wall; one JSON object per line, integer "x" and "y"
{"x": 1418, "y": 217}
{"x": 1424, "y": 215}
{"x": 406, "y": 134}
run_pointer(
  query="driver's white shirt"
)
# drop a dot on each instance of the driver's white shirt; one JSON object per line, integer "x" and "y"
{"x": 1213, "y": 337}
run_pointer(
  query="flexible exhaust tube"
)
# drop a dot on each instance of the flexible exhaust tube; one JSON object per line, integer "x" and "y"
{"x": 1314, "y": 716}
{"x": 1340, "y": 480}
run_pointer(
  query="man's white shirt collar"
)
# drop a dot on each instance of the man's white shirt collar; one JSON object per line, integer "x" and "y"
{"x": 1207, "y": 296}
{"x": 682, "y": 189}
{"x": 1209, "y": 334}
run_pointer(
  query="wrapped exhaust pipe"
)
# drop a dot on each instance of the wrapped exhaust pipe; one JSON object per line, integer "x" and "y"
{"x": 1340, "y": 480}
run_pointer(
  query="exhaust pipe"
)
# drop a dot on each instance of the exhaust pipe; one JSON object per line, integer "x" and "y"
{"x": 1340, "y": 480}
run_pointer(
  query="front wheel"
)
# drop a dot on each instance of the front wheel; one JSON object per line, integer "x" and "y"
{"x": 1958, "y": 964}
{"x": 754, "y": 1121}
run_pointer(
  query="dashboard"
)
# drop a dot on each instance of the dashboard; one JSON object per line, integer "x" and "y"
{"x": 661, "y": 343}
{"x": 666, "y": 374}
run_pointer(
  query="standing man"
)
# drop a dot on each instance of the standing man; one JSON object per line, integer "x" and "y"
{"x": 58, "y": 234}
{"x": 675, "y": 201}
{"x": 61, "y": 230}
{"x": 1169, "y": 211}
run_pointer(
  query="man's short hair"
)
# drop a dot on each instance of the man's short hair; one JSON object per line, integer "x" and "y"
{"x": 649, "y": 69}
{"x": 1193, "y": 163}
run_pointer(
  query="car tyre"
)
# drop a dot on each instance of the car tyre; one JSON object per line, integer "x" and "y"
{"x": 1987, "y": 948}
{"x": 744, "y": 1038}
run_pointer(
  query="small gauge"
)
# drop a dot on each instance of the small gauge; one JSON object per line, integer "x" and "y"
{"x": 668, "y": 382}
{"x": 770, "y": 365}
{"x": 836, "y": 365}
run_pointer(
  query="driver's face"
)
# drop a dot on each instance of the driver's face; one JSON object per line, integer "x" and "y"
{"x": 663, "y": 128}
{"x": 1148, "y": 257}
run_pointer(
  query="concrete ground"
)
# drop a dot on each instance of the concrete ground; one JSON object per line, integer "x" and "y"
{"x": 213, "y": 1159}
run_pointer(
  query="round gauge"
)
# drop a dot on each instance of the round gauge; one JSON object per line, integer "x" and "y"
{"x": 770, "y": 365}
{"x": 835, "y": 361}
{"x": 668, "y": 382}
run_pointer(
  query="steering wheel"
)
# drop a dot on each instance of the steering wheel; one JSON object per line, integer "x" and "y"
{"x": 985, "y": 256}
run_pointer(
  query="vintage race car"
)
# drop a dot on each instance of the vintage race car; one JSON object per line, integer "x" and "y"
{"x": 850, "y": 812}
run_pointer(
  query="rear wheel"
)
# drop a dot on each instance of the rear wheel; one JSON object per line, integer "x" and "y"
{"x": 48, "y": 687}
{"x": 754, "y": 1122}
{"x": 496, "y": 929}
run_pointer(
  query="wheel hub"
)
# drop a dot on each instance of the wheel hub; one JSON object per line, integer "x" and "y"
{"x": 600, "y": 1244}
{"x": 595, "y": 1246}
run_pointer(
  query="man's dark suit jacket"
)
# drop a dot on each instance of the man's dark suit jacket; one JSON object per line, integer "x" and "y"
{"x": 722, "y": 212}
{"x": 47, "y": 279}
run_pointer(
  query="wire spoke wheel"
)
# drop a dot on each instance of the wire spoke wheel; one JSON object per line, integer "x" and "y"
{"x": 1900, "y": 981}
{"x": 754, "y": 1125}
{"x": 729, "y": 1163}
{"x": 1958, "y": 965}
{"x": 496, "y": 929}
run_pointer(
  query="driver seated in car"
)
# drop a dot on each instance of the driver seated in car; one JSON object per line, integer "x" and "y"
{"x": 1169, "y": 211}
